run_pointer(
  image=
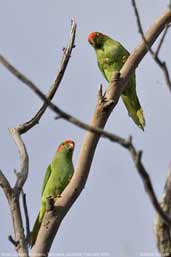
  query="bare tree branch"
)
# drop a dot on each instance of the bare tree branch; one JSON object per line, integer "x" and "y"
{"x": 13, "y": 242}
{"x": 19, "y": 237}
{"x": 162, "y": 39}
{"x": 66, "y": 56}
{"x": 136, "y": 156}
{"x": 4, "y": 183}
{"x": 24, "y": 160}
{"x": 24, "y": 201}
{"x": 13, "y": 200}
{"x": 161, "y": 64}
{"x": 13, "y": 194}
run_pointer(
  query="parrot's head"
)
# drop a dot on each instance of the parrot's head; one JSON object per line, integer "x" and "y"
{"x": 97, "y": 39}
{"x": 66, "y": 147}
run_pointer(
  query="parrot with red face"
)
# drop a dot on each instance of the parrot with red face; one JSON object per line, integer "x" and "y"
{"x": 57, "y": 177}
{"x": 111, "y": 56}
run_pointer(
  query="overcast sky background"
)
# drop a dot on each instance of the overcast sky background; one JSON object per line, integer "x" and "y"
{"x": 113, "y": 213}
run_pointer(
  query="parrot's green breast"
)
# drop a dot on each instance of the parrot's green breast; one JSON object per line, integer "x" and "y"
{"x": 111, "y": 57}
{"x": 61, "y": 171}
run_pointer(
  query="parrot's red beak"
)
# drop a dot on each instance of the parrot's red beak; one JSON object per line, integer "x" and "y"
{"x": 71, "y": 145}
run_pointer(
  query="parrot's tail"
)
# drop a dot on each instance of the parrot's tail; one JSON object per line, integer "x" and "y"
{"x": 35, "y": 231}
{"x": 141, "y": 118}
{"x": 134, "y": 110}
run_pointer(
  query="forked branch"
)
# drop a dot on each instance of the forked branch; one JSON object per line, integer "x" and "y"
{"x": 12, "y": 195}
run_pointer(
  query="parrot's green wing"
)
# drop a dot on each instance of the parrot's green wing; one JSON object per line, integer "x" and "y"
{"x": 47, "y": 175}
{"x": 38, "y": 219}
{"x": 101, "y": 69}
{"x": 111, "y": 58}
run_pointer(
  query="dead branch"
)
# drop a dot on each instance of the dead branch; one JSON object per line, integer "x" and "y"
{"x": 13, "y": 194}
{"x": 64, "y": 61}
{"x": 24, "y": 201}
{"x": 5, "y": 185}
{"x": 155, "y": 56}
{"x": 162, "y": 39}
{"x": 24, "y": 160}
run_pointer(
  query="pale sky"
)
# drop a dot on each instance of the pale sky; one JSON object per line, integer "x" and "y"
{"x": 113, "y": 214}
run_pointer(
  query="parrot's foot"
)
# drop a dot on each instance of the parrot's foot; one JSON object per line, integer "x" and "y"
{"x": 57, "y": 197}
{"x": 49, "y": 203}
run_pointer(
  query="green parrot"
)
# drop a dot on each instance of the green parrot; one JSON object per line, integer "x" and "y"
{"x": 57, "y": 177}
{"x": 111, "y": 56}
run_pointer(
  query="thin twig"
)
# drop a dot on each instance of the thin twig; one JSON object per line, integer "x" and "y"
{"x": 64, "y": 61}
{"x": 162, "y": 39}
{"x": 136, "y": 156}
{"x": 24, "y": 201}
{"x": 161, "y": 64}
{"x": 13, "y": 242}
{"x": 140, "y": 29}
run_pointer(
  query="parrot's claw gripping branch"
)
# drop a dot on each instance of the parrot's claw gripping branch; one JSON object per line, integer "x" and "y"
{"x": 50, "y": 204}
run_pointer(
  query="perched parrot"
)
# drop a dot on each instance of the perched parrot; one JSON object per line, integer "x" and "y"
{"x": 111, "y": 56}
{"x": 57, "y": 177}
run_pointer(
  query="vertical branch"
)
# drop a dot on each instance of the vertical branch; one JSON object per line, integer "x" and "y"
{"x": 26, "y": 215}
{"x": 24, "y": 160}
{"x": 5, "y": 185}
{"x": 21, "y": 245}
{"x": 20, "y": 240}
